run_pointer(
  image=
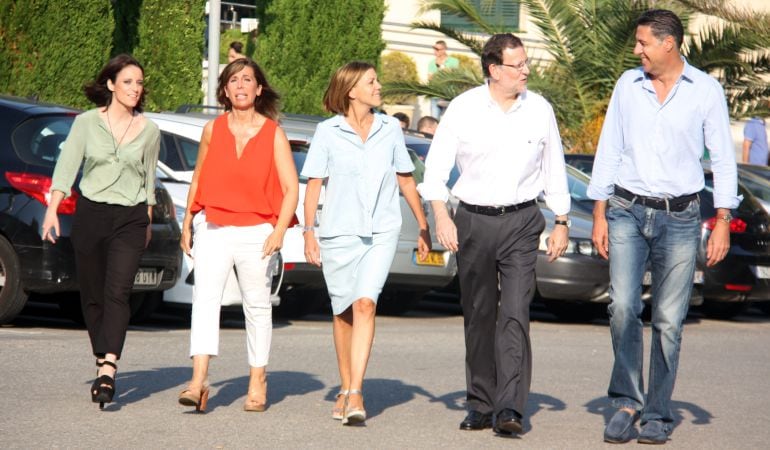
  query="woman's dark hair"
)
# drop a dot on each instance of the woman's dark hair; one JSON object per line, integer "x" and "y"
{"x": 492, "y": 53}
{"x": 663, "y": 23}
{"x": 266, "y": 103}
{"x": 97, "y": 90}
{"x": 237, "y": 46}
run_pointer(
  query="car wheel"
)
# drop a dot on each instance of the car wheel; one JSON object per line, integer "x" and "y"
{"x": 574, "y": 311}
{"x": 12, "y": 295}
{"x": 723, "y": 310}
{"x": 296, "y": 303}
{"x": 398, "y": 303}
{"x": 144, "y": 304}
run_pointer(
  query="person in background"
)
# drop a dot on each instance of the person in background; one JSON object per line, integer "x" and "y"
{"x": 235, "y": 51}
{"x": 403, "y": 120}
{"x": 363, "y": 159}
{"x": 646, "y": 179}
{"x": 427, "y": 126}
{"x": 439, "y": 62}
{"x": 755, "y": 149}
{"x": 505, "y": 141}
{"x": 118, "y": 147}
{"x": 241, "y": 202}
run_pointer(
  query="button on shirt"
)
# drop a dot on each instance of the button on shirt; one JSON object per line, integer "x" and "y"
{"x": 654, "y": 149}
{"x": 362, "y": 194}
{"x": 504, "y": 157}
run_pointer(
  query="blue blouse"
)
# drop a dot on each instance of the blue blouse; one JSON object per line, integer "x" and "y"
{"x": 362, "y": 194}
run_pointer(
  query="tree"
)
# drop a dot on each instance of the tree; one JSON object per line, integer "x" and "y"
{"x": 398, "y": 66}
{"x": 590, "y": 43}
{"x": 302, "y": 44}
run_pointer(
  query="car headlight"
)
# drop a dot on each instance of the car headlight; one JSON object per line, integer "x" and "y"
{"x": 585, "y": 247}
{"x": 578, "y": 246}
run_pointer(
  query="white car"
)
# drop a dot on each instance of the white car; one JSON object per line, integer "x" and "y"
{"x": 302, "y": 289}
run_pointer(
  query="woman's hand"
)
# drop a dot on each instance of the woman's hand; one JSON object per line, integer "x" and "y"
{"x": 312, "y": 251}
{"x": 273, "y": 243}
{"x": 148, "y": 235}
{"x": 50, "y": 228}
{"x": 186, "y": 241}
{"x": 423, "y": 244}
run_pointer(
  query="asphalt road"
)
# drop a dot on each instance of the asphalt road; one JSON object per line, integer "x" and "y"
{"x": 414, "y": 388}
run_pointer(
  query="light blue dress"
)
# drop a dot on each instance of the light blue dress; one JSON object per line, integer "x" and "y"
{"x": 361, "y": 215}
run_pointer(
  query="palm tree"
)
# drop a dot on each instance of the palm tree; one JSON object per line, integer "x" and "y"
{"x": 590, "y": 41}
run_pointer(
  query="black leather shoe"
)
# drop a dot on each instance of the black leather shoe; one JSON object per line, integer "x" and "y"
{"x": 508, "y": 422}
{"x": 476, "y": 421}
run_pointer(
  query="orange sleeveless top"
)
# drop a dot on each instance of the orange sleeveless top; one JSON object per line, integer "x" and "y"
{"x": 239, "y": 191}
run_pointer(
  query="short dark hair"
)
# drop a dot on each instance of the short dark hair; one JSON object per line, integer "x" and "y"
{"x": 426, "y": 120}
{"x": 237, "y": 46}
{"x": 663, "y": 23}
{"x": 97, "y": 91}
{"x": 493, "y": 49}
{"x": 402, "y": 117}
{"x": 266, "y": 103}
{"x": 336, "y": 99}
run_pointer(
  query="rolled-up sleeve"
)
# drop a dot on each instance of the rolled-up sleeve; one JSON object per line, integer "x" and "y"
{"x": 317, "y": 161}
{"x": 440, "y": 160}
{"x": 70, "y": 158}
{"x": 608, "y": 152}
{"x": 719, "y": 142}
{"x": 556, "y": 191}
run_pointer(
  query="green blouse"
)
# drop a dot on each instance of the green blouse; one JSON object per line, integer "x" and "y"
{"x": 125, "y": 176}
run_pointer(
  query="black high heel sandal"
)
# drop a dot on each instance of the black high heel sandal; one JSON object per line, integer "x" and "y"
{"x": 105, "y": 387}
{"x": 95, "y": 384}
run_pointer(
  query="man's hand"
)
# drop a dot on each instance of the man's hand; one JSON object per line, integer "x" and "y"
{"x": 557, "y": 242}
{"x": 600, "y": 234}
{"x": 719, "y": 243}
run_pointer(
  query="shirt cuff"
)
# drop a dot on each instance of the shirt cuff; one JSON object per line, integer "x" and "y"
{"x": 727, "y": 201}
{"x": 558, "y": 203}
{"x": 432, "y": 192}
{"x": 595, "y": 192}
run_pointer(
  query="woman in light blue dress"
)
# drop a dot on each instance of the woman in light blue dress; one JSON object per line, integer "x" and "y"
{"x": 363, "y": 158}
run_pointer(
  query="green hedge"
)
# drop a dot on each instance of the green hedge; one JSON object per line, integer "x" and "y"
{"x": 303, "y": 43}
{"x": 170, "y": 46}
{"x": 49, "y": 49}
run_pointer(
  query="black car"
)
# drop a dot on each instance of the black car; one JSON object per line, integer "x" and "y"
{"x": 31, "y": 135}
{"x": 744, "y": 274}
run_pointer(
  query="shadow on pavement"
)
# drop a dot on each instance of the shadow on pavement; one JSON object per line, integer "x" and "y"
{"x": 280, "y": 384}
{"x": 602, "y": 406}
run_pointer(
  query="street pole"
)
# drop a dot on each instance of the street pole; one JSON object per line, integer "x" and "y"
{"x": 214, "y": 14}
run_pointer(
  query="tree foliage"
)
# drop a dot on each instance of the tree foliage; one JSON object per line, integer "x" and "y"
{"x": 398, "y": 66}
{"x": 302, "y": 44}
{"x": 49, "y": 50}
{"x": 590, "y": 43}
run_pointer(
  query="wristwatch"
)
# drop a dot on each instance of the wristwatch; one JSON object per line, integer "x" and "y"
{"x": 726, "y": 218}
{"x": 567, "y": 223}
{"x": 306, "y": 229}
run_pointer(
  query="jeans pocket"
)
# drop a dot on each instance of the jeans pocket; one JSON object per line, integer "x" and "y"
{"x": 620, "y": 202}
{"x": 689, "y": 214}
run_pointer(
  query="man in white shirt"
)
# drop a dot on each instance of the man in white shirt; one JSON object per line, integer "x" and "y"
{"x": 506, "y": 144}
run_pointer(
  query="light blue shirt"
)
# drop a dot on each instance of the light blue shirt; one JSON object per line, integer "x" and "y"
{"x": 362, "y": 189}
{"x": 654, "y": 149}
{"x": 755, "y": 132}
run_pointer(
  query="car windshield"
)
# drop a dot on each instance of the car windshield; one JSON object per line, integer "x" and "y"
{"x": 39, "y": 140}
{"x": 758, "y": 186}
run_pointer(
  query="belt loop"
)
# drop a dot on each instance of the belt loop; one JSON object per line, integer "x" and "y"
{"x": 668, "y": 209}
{"x": 633, "y": 200}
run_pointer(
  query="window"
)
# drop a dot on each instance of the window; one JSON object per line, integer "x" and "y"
{"x": 500, "y": 13}
{"x": 39, "y": 140}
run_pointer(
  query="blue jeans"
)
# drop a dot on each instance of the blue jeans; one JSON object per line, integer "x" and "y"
{"x": 668, "y": 241}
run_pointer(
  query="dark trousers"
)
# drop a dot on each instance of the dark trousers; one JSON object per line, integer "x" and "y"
{"x": 496, "y": 268}
{"x": 108, "y": 242}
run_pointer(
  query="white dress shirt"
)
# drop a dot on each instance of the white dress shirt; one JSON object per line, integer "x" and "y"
{"x": 655, "y": 149}
{"x": 504, "y": 157}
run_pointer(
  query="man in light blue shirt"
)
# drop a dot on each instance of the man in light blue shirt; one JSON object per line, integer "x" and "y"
{"x": 755, "y": 142}
{"x": 646, "y": 179}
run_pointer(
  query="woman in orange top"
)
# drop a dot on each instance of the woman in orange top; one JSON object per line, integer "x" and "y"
{"x": 241, "y": 201}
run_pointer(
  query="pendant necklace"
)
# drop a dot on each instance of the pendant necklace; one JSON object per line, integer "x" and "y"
{"x": 124, "y": 133}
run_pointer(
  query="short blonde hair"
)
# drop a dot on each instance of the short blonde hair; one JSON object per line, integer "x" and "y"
{"x": 336, "y": 98}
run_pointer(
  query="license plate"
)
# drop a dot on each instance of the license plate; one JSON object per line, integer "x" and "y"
{"x": 434, "y": 258}
{"x": 761, "y": 271}
{"x": 697, "y": 278}
{"x": 147, "y": 277}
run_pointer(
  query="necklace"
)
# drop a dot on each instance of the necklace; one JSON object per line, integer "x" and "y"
{"x": 117, "y": 144}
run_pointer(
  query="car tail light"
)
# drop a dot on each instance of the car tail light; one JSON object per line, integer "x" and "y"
{"x": 38, "y": 187}
{"x": 289, "y": 266}
{"x": 736, "y": 225}
{"x": 738, "y": 287}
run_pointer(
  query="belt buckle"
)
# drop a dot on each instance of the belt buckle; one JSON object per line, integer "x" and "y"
{"x": 502, "y": 211}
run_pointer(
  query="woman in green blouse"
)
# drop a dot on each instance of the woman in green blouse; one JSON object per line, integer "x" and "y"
{"x": 118, "y": 148}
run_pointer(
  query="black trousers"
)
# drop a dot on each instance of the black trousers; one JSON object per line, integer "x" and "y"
{"x": 108, "y": 242}
{"x": 496, "y": 268}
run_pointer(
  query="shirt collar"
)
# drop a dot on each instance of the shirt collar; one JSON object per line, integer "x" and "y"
{"x": 340, "y": 123}
{"x": 491, "y": 103}
{"x": 688, "y": 74}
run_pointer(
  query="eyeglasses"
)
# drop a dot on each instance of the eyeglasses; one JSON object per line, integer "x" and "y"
{"x": 438, "y": 48}
{"x": 519, "y": 67}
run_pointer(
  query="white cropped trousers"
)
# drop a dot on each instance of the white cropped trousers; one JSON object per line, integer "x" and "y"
{"x": 216, "y": 249}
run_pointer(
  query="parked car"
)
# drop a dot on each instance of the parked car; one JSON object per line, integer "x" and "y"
{"x": 744, "y": 275}
{"x": 303, "y": 289}
{"x": 31, "y": 135}
{"x": 758, "y": 184}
